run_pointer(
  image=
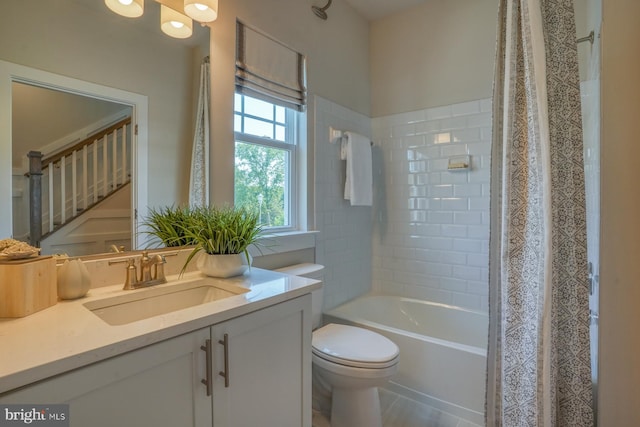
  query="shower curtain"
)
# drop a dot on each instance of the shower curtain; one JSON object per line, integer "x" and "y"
{"x": 199, "y": 179}
{"x": 539, "y": 371}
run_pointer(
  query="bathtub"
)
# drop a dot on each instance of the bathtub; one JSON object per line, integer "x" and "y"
{"x": 442, "y": 349}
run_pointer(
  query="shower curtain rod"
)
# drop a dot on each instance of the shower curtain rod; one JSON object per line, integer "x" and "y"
{"x": 588, "y": 38}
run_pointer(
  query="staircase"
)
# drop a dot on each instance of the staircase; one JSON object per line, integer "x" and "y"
{"x": 76, "y": 179}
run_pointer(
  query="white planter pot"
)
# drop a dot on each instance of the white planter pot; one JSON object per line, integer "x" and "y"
{"x": 222, "y": 265}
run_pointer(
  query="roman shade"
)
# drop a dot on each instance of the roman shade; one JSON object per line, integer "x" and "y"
{"x": 269, "y": 70}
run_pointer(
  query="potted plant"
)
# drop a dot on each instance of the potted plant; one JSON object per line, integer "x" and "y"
{"x": 166, "y": 225}
{"x": 222, "y": 236}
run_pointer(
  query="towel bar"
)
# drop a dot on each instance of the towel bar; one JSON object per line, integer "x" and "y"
{"x": 336, "y": 135}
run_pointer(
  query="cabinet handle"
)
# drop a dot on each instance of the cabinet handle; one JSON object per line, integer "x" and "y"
{"x": 208, "y": 381}
{"x": 225, "y": 373}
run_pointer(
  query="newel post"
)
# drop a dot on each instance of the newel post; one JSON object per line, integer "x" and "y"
{"x": 35, "y": 197}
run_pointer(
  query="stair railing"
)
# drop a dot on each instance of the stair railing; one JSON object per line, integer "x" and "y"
{"x": 70, "y": 182}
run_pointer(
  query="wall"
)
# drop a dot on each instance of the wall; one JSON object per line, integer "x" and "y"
{"x": 337, "y": 63}
{"x": 85, "y": 40}
{"x": 619, "y": 385}
{"x": 431, "y": 235}
{"x": 438, "y": 53}
{"x": 344, "y": 242}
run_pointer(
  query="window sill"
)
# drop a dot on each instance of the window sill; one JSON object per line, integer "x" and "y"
{"x": 288, "y": 241}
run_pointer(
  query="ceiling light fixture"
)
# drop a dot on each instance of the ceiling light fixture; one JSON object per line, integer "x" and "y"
{"x": 175, "y": 24}
{"x": 128, "y": 8}
{"x": 201, "y": 10}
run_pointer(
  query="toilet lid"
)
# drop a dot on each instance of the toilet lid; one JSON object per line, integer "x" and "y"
{"x": 353, "y": 346}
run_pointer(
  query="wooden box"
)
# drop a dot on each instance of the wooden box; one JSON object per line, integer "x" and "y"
{"x": 27, "y": 286}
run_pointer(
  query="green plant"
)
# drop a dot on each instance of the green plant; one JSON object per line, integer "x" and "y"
{"x": 167, "y": 225}
{"x": 221, "y": 231}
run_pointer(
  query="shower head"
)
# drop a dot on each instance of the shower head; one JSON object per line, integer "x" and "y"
{"x": 321, "y": 11}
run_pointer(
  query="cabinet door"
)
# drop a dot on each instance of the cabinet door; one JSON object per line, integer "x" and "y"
{"x": 268, "y": 367}
{"x": 158, "y": 385}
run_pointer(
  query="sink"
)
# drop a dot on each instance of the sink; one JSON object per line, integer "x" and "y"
{"x": 145, "y": 303}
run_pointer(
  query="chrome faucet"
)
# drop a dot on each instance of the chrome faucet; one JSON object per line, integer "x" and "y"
{"x": 151, "y": 270}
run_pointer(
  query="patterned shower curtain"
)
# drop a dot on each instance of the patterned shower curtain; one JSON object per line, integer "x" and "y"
{"x": 199, "y": 179}
{"x": 539, "y": 371}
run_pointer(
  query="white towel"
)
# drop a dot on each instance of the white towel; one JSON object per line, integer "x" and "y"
{"x": 358, "y": 188}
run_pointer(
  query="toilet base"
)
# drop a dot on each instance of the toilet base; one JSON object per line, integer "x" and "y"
{"x": 355, "y": 407}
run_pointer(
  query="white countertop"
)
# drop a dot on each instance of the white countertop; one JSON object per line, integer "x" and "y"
{"x": 67, "y": 335}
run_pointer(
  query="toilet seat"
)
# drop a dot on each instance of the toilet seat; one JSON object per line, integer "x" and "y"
{"x": 354, "y": 347}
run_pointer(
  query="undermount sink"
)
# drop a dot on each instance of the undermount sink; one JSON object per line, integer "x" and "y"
{"x": 150, "y": 302}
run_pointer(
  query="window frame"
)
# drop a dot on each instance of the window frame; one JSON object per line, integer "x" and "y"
{"x": 291, "y": 145}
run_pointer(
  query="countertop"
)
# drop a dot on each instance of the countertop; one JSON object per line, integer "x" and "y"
{"x": 67, "y": 335}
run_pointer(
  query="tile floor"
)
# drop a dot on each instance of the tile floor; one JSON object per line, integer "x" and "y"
{"x": 399, "y": 411}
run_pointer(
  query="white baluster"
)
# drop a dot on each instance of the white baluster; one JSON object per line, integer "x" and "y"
{"x": 51, "y": 167}
{"x": 63, "y": 189}
{"x": 74, "y": 184}
{"x": 105, "y": 164}
{"x": 85, "y": 174}
{"x": 95, "y": 171}
{"x": 114, "y": 158}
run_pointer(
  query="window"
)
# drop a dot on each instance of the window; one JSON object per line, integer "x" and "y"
{"x": 265, "y": 159}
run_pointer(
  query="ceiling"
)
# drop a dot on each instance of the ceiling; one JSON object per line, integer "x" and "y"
{"x": 375, "y": 9}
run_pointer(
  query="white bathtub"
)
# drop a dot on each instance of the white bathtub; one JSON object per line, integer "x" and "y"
{"x": 442, "y": 349}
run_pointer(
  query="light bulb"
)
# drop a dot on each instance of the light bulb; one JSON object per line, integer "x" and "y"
{"x": 128, "y": 8}
{"x": 201, "y": 10}
{"x": 174, "y": 23}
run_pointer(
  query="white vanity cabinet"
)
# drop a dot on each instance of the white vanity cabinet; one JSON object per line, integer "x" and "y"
{"x": 267, "y": 360}
{"x": 158, "y": 385}
{"x": 267, "y": 367}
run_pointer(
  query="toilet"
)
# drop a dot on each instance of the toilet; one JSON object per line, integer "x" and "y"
{"x": 349, "y": 363}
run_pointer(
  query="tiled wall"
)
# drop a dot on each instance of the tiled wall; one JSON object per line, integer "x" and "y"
{"x": 344, "y": 243}
{"x": 431, "y": 229}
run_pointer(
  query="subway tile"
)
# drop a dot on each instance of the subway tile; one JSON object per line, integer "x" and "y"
{"x": 478, "y": 260}
{"x": 439, "y": 112}
{"x": 477, "y": 287}
{"x": 413, "y": 141}
{"x": 441, "y": 190}
{"x": 479, "y": 203}
{"x": 466, "y": 135}
{"x": 479, "y": 148}
{"x": 479, "y": 120}
{"x": 486, "y": 105}
{"x": 437, "y": 165}
{"x": 478, "y": 232}
{"x": 468, "y": 218}
{"x": 454, "y": 204}
{"x": 440, "y": 217}
{"x": 454, "y": 230}
{"x": 467, "y": 190}
{"x": 453, "y": 150}
{"x": 465, "y": 108}
{"x": 453, "y": 285}
{"x": 467, "y": 245}
{"x": 454, "y": 177}
{"x": 466, "y": 273}
{"x": 427, "y": 128}
{"x": 453, "y": 123}
{"x": 403, "y": 130}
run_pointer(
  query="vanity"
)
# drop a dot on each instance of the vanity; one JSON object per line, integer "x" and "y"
{"x": 236, "y": 352}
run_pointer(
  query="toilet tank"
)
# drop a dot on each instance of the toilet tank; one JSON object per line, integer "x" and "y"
{"x": 310, "y": 271}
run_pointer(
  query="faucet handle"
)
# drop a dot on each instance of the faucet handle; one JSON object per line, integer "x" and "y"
{"x": 131, "y": 278}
